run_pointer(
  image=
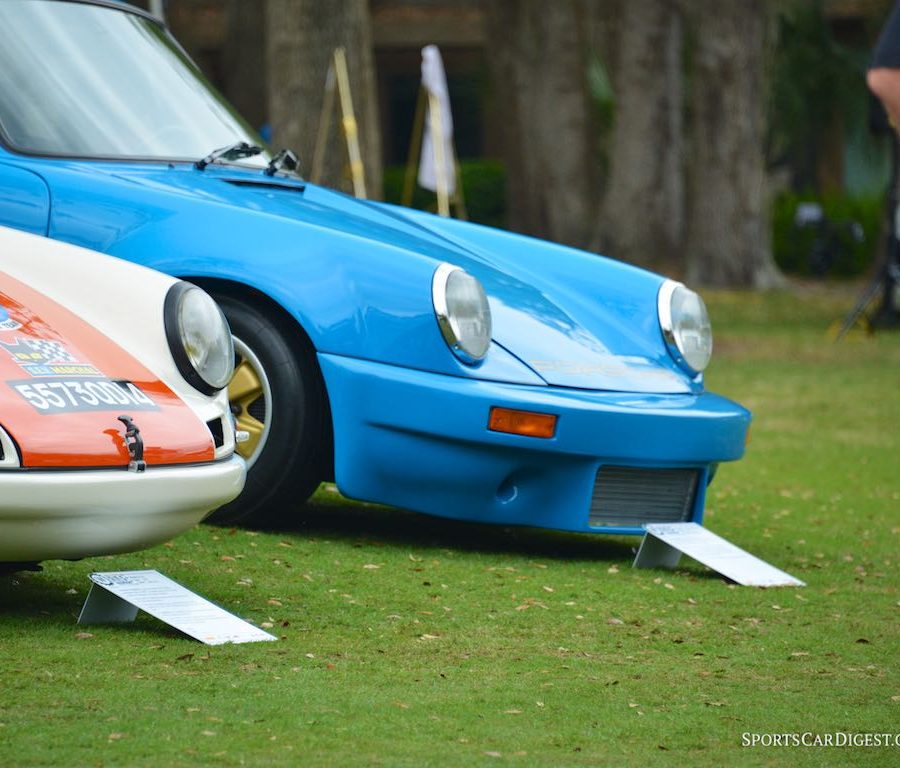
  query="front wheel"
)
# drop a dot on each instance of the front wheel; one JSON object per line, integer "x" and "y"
{"x": 278, "y": 398}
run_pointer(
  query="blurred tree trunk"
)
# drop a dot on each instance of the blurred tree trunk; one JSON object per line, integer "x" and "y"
{"x": 301, "y": 36}
{"x": 538, "y": 61}
{"x": 728, "y": 232}
{"x": 244, "y": 61}
{"x": 605, "y": 18}
{"x": 642, "y": 215}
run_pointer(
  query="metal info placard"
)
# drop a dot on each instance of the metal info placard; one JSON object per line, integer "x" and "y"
{"x": 118, "y": 595}
{"x": 664, "y": 543}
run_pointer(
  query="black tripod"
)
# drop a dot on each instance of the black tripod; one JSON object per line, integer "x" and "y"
{"x": 887, "y": 278}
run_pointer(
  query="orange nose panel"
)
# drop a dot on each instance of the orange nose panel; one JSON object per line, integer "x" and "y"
{"x": 63, "y": 385}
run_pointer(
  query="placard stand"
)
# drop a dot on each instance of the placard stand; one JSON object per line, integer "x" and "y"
{"x": 116, "y": 597}
{"x": 664, "y": 543}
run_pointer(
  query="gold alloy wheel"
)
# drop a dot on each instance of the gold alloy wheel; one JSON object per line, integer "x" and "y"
{"x": 250, "y": 398}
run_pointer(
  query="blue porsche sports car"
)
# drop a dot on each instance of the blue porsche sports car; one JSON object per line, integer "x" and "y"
{"x": 421, "y": 362}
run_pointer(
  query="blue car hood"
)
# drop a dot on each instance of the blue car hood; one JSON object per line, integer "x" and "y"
{"x": 570, "y": 335}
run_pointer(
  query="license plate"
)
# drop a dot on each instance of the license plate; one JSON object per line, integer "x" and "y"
{"x": 64, "y": 395}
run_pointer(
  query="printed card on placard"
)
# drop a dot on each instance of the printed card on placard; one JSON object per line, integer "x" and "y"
{"x": 117, "y": 596}
{"x": 664, "y": 543}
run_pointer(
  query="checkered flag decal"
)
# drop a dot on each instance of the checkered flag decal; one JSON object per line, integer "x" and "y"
{"x": 50, "y": 351}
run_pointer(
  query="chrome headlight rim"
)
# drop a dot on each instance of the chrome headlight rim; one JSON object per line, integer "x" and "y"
{"x": 10, "y": 456}
{"x": 175, "y": 335}
{"x": 672, "y": 334}
{"x": 465, "y": 350}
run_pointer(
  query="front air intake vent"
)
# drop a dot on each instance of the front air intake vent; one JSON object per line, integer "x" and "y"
{"x": 217, "y": 432}
{"x": 630, "y": 496}
{"x": 259, "y": 184}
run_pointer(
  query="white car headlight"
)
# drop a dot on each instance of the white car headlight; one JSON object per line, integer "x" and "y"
{"x": 463, "y": 313}
{"x": 685, "y": 326}
{"x": 199, "y": 338}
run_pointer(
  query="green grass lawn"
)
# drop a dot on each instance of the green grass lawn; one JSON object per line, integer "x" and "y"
{"x": 412, "y": 641}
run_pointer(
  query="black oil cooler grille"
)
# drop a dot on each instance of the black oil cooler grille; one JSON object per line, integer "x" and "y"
{"x": 630, "y": 496}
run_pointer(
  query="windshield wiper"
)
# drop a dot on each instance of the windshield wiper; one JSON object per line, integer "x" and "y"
{"x": 284, "y": 160}
{"x": 231, "y": 152}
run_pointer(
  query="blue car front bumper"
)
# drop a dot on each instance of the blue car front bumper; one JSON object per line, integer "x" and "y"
{"x": 617, "y": 461}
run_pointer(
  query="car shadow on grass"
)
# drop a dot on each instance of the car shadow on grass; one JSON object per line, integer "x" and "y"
{"x": 40, "y": 597}
{"x": 330, "y": 515}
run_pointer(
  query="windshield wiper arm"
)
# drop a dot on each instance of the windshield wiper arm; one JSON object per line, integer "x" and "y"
{"x": 231, "y": 152}
{"x": 284, "y": 160}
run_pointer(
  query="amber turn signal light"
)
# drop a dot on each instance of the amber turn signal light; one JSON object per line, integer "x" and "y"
{"x": 525, "y": 423}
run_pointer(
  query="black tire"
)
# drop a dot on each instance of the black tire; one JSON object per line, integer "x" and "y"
{"x": 292, "y": 455}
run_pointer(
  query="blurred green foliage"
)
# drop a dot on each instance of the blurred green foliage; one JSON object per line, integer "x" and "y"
{"x": 842, "y": 244}
{"x": 814, "y": 82}
{"x": 603, "y": 103}
{"x": 484, "y": 190}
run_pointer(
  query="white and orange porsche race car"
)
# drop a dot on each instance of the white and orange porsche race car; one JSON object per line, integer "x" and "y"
{"x": 115, "y": 430}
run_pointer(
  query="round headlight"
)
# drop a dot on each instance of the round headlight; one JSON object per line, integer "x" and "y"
{"x": 463, "y": 313}
{"x": 199, "y": 338}
{"x": 685, "y": 326}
